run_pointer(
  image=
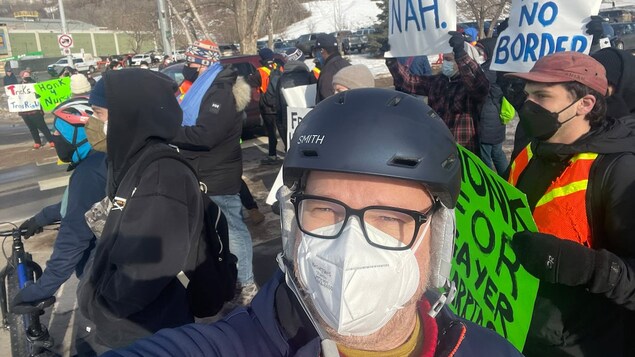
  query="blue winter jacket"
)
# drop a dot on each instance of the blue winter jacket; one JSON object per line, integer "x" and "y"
{"x": 256, "y": 331}
{"x": 75, "y": 240}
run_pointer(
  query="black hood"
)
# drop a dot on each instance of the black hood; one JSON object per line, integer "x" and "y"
{"x": 620, "y": 68}
{"x": 142, "y": 110}
{"x": 614, "y": 136}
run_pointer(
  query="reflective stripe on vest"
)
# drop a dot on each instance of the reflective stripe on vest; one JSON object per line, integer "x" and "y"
{"x": 561, "y": 211}
{"x": 316, "y": 72}
{"x": 264, "y": 78}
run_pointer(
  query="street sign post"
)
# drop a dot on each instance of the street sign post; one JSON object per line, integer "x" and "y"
{"x": 65, "y": 40}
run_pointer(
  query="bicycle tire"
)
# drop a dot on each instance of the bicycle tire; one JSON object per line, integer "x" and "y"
{"x": 17, "y": 327}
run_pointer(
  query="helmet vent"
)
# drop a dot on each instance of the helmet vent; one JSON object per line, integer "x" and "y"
{"x": 449, "y": 162}
{"x": 395, "y": 101}
{"x": 408, "y": 162}
{"x": 309, "y": 153}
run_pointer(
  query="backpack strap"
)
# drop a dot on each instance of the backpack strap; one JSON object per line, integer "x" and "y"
{"x": 598, "y": 179}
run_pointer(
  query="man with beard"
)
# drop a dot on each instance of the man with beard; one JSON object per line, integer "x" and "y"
{"x": 368, "y": 232}
{"x": 578, "y": 173}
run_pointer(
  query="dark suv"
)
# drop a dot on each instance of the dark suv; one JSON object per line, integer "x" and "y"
{"x": 306, "y": 43}
{"x": 245, "y": 65}
{"x": 624, "y": 35}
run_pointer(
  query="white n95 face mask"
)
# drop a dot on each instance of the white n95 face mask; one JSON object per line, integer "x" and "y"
{"x": 355, "y": 287}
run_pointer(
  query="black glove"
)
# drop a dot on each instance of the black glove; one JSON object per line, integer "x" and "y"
{"x": 457, "y": 42}
{"x": 554, "y": 260}
{"x": 30, "y": 227}
{"x": 595, "y": 29}
{"x": 502, "y": 26}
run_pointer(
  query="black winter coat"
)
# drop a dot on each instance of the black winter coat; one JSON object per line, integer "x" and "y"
{"x": 213, "y": 144}
{"x": 130, "y": 288}
{"x": 332, "y": 65}
{"x": 490, "y": 128}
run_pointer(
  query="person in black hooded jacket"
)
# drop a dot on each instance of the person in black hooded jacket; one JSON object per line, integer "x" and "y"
{"x": 579, "y": 177}
{"x": 130, "y": 289}
{"x": 619, "y": 65}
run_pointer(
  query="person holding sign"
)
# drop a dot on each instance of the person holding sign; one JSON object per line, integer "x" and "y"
{"x": 579, "y": 176}
{"x": 456, "y": 94}
{"x": 368, "y": 232}
{"x": 34, "y": 120}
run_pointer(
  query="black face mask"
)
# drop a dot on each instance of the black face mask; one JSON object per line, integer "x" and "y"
{"x": 63, "y": 149}
{"x": 539, "y": 122}
{"x": 189, "y": 73}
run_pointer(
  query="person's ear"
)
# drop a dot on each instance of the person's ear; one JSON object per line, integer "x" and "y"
{"x": 585, "y": 104}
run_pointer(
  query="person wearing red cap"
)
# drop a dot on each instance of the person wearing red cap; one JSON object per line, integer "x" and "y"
{"x": 579, "y": 176}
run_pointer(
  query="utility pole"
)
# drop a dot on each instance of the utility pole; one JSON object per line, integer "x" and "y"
{"x": 163, "y": 27}
{"x": 69, "y": 57}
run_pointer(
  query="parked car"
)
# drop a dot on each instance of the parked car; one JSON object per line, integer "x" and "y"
{"x": 624, "y": 35}
{"x": 141, "y": 57}
{"x": 306, "y": 43}
{"x": 245, "y": 65}
{"x": 179, "y": 55}
{"x": 227, "y": 50}
{"x": 343, "y": 40}
{"x": 282, "y": 46}
{"x": 82, "y": 64}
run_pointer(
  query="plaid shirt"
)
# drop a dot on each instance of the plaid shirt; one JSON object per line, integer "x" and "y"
{"x": 457, "y": 101}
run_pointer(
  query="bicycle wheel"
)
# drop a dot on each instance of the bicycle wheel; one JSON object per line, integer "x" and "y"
{"x": 17, "y": 326}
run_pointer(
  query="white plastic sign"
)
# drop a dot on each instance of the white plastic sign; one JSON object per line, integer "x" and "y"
{"x": 420, "y": 27}
{"x": 300, "y": 96}
{"x": 538, "y": 28}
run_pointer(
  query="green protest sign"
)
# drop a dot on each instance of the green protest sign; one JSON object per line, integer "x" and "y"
{"x": 53, "y": 92}
{"x": 493, "y": 290}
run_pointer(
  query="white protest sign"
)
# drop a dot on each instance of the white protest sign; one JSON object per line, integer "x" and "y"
{"x": 294, "y": 117}
{"x": 420, "y": 27}
{"x": 300, "y": 96}
{"x": 538, "y": 28}
{"x": 21, "y": 98}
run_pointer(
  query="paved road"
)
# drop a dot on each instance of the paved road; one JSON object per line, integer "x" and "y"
{"x": 21, "y": 196}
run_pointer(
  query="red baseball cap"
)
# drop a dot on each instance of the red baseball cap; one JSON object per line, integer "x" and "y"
{"x": 567, "y": 67}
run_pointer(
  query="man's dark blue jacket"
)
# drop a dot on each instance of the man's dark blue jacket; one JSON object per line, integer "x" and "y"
{"x": 257, "y": 331}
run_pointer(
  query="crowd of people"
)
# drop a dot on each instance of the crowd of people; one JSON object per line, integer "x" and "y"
{"x": 371, "y": 181}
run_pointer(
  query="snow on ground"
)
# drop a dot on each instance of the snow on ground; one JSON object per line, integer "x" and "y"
{"x": 333, "y": 15}
{"x": 376, "y": 65}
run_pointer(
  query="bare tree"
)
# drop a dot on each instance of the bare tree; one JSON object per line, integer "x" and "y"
{"x": 176, "y": 13}
{"x": 482, "y": 10}
{"x": 198, "y": 18}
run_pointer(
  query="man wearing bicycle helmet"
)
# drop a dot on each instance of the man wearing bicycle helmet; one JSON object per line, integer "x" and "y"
{"x": 87, "y": 185}
{"x": 368, "y": 231}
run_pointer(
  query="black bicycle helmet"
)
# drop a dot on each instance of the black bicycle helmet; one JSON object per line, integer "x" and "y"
{"x": 379, "y": 132}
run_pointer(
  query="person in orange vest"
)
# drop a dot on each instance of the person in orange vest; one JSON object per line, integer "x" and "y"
{"x": 260, "y": 79}
{"x": 579, "y": 177}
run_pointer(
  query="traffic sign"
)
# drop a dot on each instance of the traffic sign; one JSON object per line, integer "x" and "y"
{"x": 66, "y": 51}
{"x": 65, "y": 40}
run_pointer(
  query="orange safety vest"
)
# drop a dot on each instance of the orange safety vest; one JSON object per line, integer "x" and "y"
{"x": 316, "y": 72}
{"x": 561, "y": 210}
{"x": 264, "y": 78}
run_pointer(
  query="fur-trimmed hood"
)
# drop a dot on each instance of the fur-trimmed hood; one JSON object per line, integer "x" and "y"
{"x": 242, "y": 93}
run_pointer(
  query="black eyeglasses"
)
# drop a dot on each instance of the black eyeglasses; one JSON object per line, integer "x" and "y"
{"x": 384, "y": 227}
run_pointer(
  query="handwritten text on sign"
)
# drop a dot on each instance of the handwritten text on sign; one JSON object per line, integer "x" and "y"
{"x": 540, "y": 27}
{"x": 53, "y": 92}
{"x": 420, "y": 27}
{"x": 493, "y": 289}
{"x": 21, "y": 98}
